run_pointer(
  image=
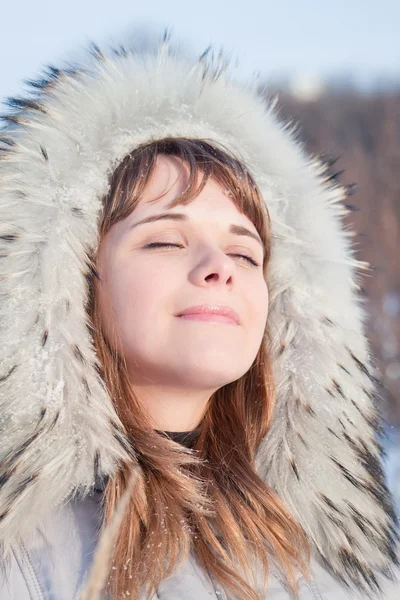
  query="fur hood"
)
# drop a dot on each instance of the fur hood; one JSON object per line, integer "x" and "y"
{"x": 59, "y": 430}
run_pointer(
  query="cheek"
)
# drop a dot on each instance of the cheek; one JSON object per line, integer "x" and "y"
{"x": 135, "y": 296}
{"x": 258, "y": 306}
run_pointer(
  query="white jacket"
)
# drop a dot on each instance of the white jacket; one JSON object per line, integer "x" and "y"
{"x": 59, "y": 429}
{"x": 54, "y": 568}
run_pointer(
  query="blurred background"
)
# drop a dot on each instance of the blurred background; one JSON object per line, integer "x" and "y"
{"x": 335, "y": 68}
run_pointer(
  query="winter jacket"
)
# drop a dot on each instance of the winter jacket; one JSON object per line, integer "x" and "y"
{"x": 55, "y": 569}
{"x": 59, "y": 428}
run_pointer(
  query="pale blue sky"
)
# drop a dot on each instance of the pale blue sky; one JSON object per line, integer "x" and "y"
{"x": 274, "y": 37}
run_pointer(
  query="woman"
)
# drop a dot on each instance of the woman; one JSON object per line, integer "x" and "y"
{"x": 187, "y": 397}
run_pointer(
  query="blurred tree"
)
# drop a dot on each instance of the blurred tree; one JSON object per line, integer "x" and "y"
{"x": 363, "y": 133}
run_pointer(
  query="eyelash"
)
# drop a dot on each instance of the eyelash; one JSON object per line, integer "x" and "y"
{"x": 160, "y": 244}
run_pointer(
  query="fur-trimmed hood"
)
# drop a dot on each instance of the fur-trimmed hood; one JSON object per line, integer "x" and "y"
{"x": 59, "y": 430}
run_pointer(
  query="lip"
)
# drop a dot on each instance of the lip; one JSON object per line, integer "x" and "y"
{"x": 205, "y": 312}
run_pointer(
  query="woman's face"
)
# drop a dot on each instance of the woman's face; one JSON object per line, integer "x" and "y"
{"x": 144, "y": 289}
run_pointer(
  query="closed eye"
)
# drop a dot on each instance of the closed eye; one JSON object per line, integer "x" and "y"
{"x": 170, "y": 244}
{"x": 158, "y": 244}
{"x": 247, "y": 258}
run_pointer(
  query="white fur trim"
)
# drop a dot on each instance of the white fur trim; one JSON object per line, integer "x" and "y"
{"x": 56, "y": 418}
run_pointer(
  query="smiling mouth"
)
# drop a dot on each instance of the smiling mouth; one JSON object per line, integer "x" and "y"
{"x": 208, "y": 318}
{"x": 210, "y": 313}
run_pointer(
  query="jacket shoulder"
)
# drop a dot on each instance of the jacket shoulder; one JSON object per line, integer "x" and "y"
{"x": 325, "y": 587}
{"x": 14, "y": 583}
{"x": 52, "y": 562}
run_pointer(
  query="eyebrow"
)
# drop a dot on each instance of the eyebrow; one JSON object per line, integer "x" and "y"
{"x": 236, "y": 229}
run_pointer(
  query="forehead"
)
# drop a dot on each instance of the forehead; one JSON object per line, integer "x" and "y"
{"x": 169, "y": 180}
{"x": 170, "y": 176}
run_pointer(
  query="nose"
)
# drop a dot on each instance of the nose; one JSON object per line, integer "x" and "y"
{"x": 213, "y": 267}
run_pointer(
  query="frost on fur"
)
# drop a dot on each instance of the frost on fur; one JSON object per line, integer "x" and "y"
{"x": 59, "y": 427}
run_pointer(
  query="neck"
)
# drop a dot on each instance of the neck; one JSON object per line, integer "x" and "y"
{"x": 173, "y": 410}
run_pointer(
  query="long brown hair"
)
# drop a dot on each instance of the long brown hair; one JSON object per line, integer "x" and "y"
{"x": 209, "y": 500}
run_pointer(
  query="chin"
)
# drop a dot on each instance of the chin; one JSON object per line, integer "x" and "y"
{"x": 210, "y": 377}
